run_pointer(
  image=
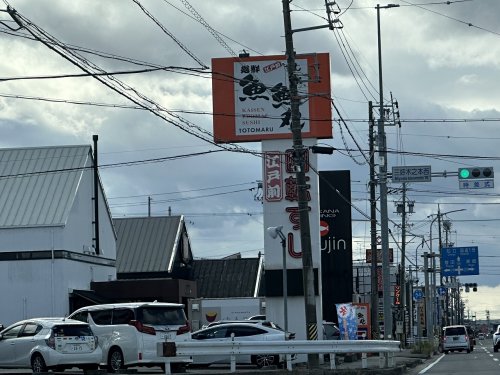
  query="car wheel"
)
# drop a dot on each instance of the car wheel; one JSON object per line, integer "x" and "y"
{"x": 265, "y": 360}
{"x": 115, "y": 360}
{"x": 468, "y": 350}
{"x": 495, "y": 348}
{"x": 38, "y": 364}
{"x": 446, "y": 352}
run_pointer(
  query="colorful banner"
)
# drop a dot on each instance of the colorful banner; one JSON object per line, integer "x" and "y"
{"x": 348, "y": 321}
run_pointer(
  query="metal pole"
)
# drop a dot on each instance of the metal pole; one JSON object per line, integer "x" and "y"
{"x": 285, "y": 284}
{"x": 428, "y": 301}
{"x": 305, "y": 235}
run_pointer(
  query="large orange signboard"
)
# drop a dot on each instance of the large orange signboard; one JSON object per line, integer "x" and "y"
{"x": 251, "y": 100}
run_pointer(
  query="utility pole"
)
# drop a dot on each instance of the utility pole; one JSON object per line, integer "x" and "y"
{"x": 403, "y": 270}
{"x": 305, "y": 235}
{"x": 373, "y": 227}
{"x": 382, "y": 177}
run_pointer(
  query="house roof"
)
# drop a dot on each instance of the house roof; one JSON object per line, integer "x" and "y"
{"x": 147, "y": 244}
{"x": 38, "y": 184}
{"x": 224, "y": 278}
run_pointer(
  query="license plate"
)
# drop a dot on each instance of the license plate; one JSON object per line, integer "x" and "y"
{"x": 455, "y": 338}
{"x": 167, "y": 336}
{"x": 75, "y": 348}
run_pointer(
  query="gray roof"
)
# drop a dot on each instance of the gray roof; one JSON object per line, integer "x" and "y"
{"x": 38, "y": 184}
{"x": 224, "y": 278}
{"x": 147, "y": 244}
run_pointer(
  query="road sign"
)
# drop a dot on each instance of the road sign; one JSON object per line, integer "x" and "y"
{"x": 441, "y": 291}
{"x": 411, "y": 173}
{"x": 418, "y": 294}
{"x": 476, "y": 184}
{"x": 459, "y": 261}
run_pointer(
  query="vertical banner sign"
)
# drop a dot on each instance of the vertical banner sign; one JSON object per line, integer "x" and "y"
{"x": 348, "y": 321}
{"x": 364, "y": 323}
{"x": 336, "y": 240}
{"x": 397, "y": 295}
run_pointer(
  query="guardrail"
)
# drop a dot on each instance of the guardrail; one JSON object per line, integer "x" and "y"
{"x": 183, "y": 350}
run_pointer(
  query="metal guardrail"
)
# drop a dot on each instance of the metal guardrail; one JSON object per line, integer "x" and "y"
{"x": 182, "y": 351}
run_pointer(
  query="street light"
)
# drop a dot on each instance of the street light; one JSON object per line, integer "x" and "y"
{"x": 274, "y": 232}
{"x": 435, "y": 305}
{"x": 384, "y": 221}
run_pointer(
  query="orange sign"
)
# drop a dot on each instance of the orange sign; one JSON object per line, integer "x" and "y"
{"x": 251, "y": 99}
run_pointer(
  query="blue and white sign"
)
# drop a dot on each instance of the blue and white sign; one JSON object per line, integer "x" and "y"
{"x": 459, "y": 261}
{"x": 418, "y": 294}
{"x": 441, "y": 291}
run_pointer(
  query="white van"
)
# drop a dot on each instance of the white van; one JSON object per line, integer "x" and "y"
{"x": 456, "y": 338}
{"x": 129, "y": 332}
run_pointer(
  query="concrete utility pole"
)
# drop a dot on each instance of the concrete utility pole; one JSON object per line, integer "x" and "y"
{"x": 382, "y": 177}
{"x": 305, "y": 235}
{"x": 373, "y": 227}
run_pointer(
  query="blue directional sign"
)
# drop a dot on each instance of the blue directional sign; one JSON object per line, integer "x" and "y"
{"x": 418, "y": 294}
{"x": 459, "y": 261}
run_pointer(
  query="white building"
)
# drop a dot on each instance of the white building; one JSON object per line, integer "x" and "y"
{"x": 47, "y": 231}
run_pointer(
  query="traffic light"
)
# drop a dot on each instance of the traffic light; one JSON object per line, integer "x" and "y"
{"x": 471, "y": 285}
{"x": 475, "y": 173}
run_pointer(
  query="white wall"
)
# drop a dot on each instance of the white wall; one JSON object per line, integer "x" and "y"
{"x": 37, "y": 288}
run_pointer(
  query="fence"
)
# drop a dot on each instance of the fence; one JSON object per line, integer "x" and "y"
{"x": 184, "y": 350}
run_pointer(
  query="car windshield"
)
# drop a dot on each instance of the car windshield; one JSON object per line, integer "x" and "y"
{"x": 160, "y": 315}
{"x": 72, "y": 330}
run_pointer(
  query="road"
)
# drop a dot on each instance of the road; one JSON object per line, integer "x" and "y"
{"x": 482, "y": 361}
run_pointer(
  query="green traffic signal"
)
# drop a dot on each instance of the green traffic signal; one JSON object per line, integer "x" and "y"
{"x": 464, "y": 173}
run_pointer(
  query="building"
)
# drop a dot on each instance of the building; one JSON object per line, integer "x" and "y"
{"x": 47, "y": 230}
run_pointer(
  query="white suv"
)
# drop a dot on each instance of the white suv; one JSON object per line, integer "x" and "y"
{"x": 49, "y": 343}
{"x": 129, "y": 332}
{"x": 496, "y": 339}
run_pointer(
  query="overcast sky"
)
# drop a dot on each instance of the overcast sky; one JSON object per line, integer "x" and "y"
{"x": 440, "y": 62}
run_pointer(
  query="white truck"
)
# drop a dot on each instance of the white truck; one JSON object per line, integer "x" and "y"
{"x": 202, "y": 311}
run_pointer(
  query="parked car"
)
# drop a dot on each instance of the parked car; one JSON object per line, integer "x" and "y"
{"x": 330, "y": 331}
{"x": 496, "y": 339}
{"x": 480, "y": 336}
{"x": 257, "y": 317}
{"x": 266, "y": 323}
{"x": 240, "y": 331}
{"x": 49, "y": 343}
{"x": 456, "y": 338}
{"x": 128, "y": 332}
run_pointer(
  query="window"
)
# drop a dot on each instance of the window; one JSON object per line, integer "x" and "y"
{"x": 72, "y": 330}
{"x": 101, "y": 317}
{"x": 123, "y": 316}
{"x": 81, "y": 316}
{"x": 454, "y": 331}
{"x": 30, "y": 329}
{"x": 13, "y": 332}
{"x": 242, "y": 331}
{"x": 161, "y": 315}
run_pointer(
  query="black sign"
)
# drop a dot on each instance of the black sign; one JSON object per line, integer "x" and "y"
{"x": 336, "y": 240}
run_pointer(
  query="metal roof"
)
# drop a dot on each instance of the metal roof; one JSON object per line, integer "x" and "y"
{"x": 38, "y": 185}
{"x": 146, "y": 244}
{"x": 224, "y": 278}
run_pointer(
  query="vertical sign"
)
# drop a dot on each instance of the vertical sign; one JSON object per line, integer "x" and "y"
{"x": 273, "y": 177}
{"x": 336, "y": 240}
